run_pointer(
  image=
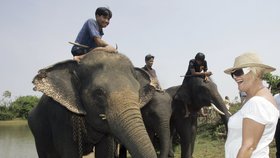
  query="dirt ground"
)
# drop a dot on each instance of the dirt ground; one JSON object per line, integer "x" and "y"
{"x": 89, "y": 156}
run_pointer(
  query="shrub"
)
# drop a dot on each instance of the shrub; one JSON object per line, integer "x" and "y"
{"x": 22, "y": 105}
{"x": 6, "y": 115}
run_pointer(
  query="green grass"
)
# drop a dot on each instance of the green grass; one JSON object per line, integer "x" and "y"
{"x": 206, "y": 147}
{"x": 13, "y": 122}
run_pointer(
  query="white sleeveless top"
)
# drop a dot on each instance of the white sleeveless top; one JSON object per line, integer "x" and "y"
{"x": 260, "y": 110}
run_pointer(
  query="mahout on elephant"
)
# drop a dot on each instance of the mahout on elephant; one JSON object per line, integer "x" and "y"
{"x": 156, "y": 115}
{"x": 89, "y": 104}
{"x": 194, "y": 93}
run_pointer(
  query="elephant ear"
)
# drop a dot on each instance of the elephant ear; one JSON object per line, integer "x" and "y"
{"x": 61, "y": 83}
{"x": 146, "y": 90}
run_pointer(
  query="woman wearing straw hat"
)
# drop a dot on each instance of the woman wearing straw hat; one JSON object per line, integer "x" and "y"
{"x": 252, "y": 128}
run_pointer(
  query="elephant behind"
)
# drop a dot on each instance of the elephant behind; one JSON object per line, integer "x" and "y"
{"x": 86, "y": 104}
{"x": 194, "y": 93}
{"x": 156, "y": 115}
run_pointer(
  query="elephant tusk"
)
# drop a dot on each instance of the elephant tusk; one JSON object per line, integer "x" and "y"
{"x": 219, "y": 111}
{"x": 103, "y": 116}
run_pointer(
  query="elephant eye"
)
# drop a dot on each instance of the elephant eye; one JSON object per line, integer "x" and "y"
{"x": 99, "y": 92}
{"x": 99, "y": 98}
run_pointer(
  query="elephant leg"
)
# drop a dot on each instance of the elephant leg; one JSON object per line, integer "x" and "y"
{"x": 46, "y": 151}
{"x": 193, "y": 130}
{"x": 187, "y": 132}
{"x": 171, "y": 150}
{"x": 185, "y": 137}
{"x": 164, "y": 139}
{"x": 123, "y": 152}
{"x": 106, "y": 148}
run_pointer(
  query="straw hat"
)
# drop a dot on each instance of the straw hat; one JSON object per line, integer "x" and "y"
{"x": 249, "y": 60}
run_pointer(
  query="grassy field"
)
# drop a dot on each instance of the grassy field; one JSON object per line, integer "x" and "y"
{"x": 13, "y": 122}
{"x": 206, "y": 148}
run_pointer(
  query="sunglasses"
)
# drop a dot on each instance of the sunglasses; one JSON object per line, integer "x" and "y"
{"x": 240, "y": 72}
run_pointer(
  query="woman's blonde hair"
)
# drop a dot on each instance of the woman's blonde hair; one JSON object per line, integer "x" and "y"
{"x": 258, "y": 72}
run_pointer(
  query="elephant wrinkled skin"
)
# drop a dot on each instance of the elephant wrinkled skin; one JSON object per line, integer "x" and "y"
{"x": 89, "y": 104}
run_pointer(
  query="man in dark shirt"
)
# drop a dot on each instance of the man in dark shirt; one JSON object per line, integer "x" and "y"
{"x": 91, "y": 33}
{"x": 198, "y": 67}
{"x": 149, "y": 60}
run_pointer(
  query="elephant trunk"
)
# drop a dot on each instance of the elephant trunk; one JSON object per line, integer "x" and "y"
{"x": 164, "y": 137}
{"x": 127, "y": 125}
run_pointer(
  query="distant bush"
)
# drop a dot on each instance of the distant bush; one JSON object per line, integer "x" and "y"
{"x": 22, "y": 105}
{"x": 213, "y": 131}
{"x": 234, "y": 107}
{"x": 212, "y": 126}
{"x": 6, "y": 115}
{"x": 18, "y": 108}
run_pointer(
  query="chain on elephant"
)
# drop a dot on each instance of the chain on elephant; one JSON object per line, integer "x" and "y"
{"x": 79, "y": 131}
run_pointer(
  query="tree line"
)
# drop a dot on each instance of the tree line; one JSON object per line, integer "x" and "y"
{"x": 20, "y": 107}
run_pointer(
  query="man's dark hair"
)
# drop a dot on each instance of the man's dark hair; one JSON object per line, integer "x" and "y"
{"x": 148, "y": 57}
{"x": 103, "y": 11}
{"x": 200, "y": 56}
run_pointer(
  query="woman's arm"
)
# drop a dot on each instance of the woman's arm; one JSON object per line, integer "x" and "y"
{"x": 251, "y": 134}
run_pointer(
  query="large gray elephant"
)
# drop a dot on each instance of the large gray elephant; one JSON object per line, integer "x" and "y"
{"x": 156, "y": 115}
{"x": 88, "y": 104}
{"x": 194, "y": 93}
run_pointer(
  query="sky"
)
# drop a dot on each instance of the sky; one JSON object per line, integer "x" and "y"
{"x": 35, "y": 34}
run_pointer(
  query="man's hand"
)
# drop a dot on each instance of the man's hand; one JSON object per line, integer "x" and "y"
{"x": 108, "y": 49}
{"x": 104, "y": 46}
{"x": 208, "y": 73}
{"x": 78, "y": 58}
{"x": 111, "y": 49}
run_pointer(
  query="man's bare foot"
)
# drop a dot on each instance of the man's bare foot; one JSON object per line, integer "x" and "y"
{"x": 78, "y": 58}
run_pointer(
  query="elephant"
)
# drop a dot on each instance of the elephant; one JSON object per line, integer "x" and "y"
{"x": 156, "y": 115}
{"x": 194, "y": 93}
{"x": 88, "y": 104}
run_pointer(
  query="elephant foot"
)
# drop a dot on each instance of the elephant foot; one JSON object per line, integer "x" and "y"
{"x": 87, "y": 149}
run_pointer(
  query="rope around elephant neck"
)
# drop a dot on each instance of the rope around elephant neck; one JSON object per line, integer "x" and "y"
{"x": 79, "y": 131}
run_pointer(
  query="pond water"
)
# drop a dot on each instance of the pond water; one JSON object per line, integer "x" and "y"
{"x": 16, "y": 141}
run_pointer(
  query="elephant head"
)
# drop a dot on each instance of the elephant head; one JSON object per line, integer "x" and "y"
{"x": 105, "y": 89}
{"x": 196, "y": 93}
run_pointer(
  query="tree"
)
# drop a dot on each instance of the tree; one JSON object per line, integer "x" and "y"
{"x": 22, "y": 105}
{"x": 272, "y": 81}
{"x": 7, "y": 94}
{"x": 5, "y": 100}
